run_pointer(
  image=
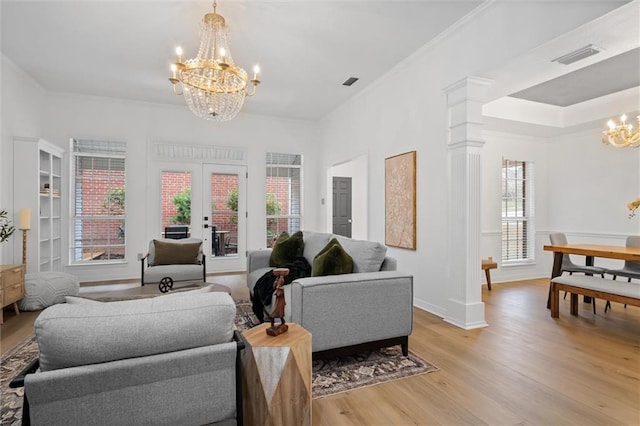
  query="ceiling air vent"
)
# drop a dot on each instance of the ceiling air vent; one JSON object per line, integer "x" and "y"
{"x": 577, "y": 55}
{"x": 350, "y": 81}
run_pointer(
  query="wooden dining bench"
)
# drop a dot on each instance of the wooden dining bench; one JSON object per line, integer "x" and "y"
{"x": 597, "y": 287}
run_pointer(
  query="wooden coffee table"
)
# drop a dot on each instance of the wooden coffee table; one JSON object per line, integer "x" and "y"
{"x": 166, "y": 285}
{"x": 217, "y": 287}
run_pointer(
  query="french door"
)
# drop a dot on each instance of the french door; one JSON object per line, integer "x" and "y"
{"x": 206, "y": 201}
{"x": 224, "y": 215}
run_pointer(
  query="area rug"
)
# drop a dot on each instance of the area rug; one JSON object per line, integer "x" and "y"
{"x": 343, "y": 374}
{"x": 329, "y": 376}
{"x": 12, "y": 364}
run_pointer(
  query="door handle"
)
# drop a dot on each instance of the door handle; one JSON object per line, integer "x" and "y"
{"x": 349, "y": 221}
{"x": 206, "y": 225}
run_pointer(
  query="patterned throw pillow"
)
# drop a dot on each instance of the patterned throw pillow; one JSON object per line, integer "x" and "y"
{"x": 286, "y": 249}
{"x": 332, "y": 260}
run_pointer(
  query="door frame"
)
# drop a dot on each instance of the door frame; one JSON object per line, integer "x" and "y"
{"x": 198, "y": 172}
{"x": 225, "y": 263}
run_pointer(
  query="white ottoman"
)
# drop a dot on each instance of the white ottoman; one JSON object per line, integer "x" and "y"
{"x": 44, "y": 289}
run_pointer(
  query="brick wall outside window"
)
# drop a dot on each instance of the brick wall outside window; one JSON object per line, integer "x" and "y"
{"x": 279, "y": 187}
{"x": 97, "y": 199}
{"x": 99, "y": 234}
{"x": 222, "y": 185}
{"x": 96, "y": 185}
{"x": 173, "y": 183}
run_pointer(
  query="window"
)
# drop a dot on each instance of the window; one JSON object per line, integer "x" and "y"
{"x": 517, "y": 211}
{"x": 97, "y": 201}
{"x": 283, "y": 195}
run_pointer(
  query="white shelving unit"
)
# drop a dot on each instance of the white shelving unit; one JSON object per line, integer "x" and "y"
{"x": 38, "y": 186}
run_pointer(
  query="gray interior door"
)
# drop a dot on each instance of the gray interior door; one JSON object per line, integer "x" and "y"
{"x": 342, "y": 206}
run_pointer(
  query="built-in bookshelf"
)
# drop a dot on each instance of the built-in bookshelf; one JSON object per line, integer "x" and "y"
{"x": 38, "y": 186}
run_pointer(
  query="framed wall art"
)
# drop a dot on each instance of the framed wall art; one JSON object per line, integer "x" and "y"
{"x": 400, "y": 200}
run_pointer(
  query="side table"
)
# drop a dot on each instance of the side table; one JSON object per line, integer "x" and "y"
{"x": 276, "y": 377}
{"x": 11, "y": 286}
{"x": 487, "y": 266}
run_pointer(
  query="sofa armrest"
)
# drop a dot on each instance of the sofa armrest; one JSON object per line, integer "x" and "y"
{"x": 257, "y": 259}
{"x": 240, "y": 344}
{"x": 381, "y": 307}
{"x": 363, "y": 277}
{"x": 18, "y": 381}
{"x": 161, "y": 388}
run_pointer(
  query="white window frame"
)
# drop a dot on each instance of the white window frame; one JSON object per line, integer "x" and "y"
{"x": 526, "y": 251}
{"x": 101, "y": 150}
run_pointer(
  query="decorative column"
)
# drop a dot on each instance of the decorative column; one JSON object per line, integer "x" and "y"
{"x": 464, "y": 102}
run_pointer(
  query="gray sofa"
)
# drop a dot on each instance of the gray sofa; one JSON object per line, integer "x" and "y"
{"x": 172, "y": 359}
{"x": 373, "y": 306}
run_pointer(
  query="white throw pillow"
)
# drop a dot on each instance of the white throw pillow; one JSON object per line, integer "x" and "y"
{"x": 367, "y": 255}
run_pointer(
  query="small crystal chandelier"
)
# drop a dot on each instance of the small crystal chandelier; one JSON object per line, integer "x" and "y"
{"x": 212, "y": 85}
{"x": 622, "y": 135}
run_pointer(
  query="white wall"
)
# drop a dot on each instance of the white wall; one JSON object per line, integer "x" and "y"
{"x": 582, "y": 188}
{"x": 590, "y": 185}
{"x": 403, "y": 111}
{"x": 520, "y": 148}
{"x": 406, "y": 110}
{"x": 20, "y": 116}
{"x": 140, "y": 124}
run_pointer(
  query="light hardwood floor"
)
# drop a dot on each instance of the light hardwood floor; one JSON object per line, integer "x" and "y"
{"x": 524, "y": 369}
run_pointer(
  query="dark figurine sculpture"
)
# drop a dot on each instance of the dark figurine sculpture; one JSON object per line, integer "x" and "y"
{"x": 277, "y": 305}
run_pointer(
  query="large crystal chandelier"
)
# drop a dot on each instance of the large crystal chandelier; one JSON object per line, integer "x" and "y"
{"x": 212, "y": 85}
{"x": 622, "y": 135}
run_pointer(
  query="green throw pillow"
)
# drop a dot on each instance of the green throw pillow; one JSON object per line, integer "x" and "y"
{"x": 332, "y": 260}
{"x": 286, "y": 249}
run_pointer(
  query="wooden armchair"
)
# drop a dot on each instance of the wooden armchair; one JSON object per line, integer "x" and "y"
{"x": 231, "y": 244}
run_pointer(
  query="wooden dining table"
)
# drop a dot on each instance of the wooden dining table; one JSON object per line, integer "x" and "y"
{"x": 590, "y": 251}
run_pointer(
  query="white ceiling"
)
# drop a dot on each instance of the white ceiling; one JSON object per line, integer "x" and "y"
{"x": 306, "y": 49}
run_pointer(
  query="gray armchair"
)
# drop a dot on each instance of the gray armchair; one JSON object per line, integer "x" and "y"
{"x": 133, "y": 362}
{"x": 170, "y": 260}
